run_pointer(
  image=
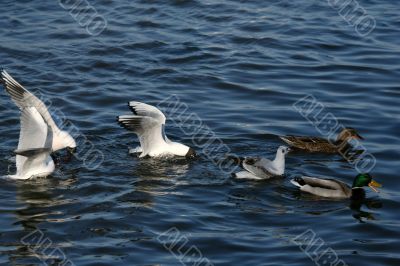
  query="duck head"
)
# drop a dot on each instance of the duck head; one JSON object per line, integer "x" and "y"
{"x": 347, "y": 134}
{"x": 363, "y": 180}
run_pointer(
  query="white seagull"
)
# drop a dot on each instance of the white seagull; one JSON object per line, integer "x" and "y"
{"x": 148, "y": 123}
{"x": 33, "y": 157}
{"x": 261, "y": 168}
{"x": 24, "y": 99}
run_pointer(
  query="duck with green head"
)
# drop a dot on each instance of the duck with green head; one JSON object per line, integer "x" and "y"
{"x": 316, "y": 144}
{"x": 331, "y": 188}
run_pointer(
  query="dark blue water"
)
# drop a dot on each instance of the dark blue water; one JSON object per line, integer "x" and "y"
{"x": 239, "y": 66}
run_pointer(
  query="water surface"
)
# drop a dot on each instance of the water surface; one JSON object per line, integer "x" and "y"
{"x": 238, "y": 65}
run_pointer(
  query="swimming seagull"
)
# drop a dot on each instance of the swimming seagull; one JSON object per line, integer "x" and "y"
{"x": 34, "y": 148}
{"x": 148, "y": 123}
{"x": 261, "y": 168}
{"x": 24, "y": 99}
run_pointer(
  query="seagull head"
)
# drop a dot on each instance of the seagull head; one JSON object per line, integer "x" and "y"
{"x": 68, "y": 141}
{"x": 182, "y": 150}
{"x": 283, "y": 150}
{"x": 71, "y": 150}
{"x": 191, "y": 153}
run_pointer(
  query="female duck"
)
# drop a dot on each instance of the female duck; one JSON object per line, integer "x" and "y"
{"x": 316, "y": 144}
{"x": 331, "y": 188}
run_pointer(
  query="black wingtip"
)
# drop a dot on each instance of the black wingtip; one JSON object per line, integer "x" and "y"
{"x": 242, "y": 159}
{"x": 2, "y": 76}
{"x": 133, "y": 110}
{"x": 119, "y": 122}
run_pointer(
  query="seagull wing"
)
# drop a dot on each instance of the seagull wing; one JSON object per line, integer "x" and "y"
{"x": 35, "y": 134}
{"x": 35, "y": 163}
{"x": 148, "y": 129}
{"x": 23, "y": 99}
{"x": 142, "y": 109}
{"x": 268, "y": 166}
{"x": 254, "y": 166}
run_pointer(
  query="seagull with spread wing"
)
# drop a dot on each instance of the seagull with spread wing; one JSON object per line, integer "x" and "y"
{"x": 148, "y": 122}
{"x": 33, "y": 156}
{"x": 39, "y": 135}
{"x": 23, "y": 99}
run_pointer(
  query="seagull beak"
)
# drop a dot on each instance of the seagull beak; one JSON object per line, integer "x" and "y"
{"x": 191, "y": 153}
{"x": 70, "y": 154}
{"x": 71, "y": 150}
{"x": 373, "y": 185}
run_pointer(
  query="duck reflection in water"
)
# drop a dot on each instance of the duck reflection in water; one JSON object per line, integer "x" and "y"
{"x": 361, "y": 215}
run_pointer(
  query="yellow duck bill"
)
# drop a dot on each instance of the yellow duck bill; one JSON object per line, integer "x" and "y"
{"x": 373, "y": 185}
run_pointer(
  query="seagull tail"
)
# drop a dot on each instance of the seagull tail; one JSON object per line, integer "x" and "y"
{"x": 298, "y": 182}
{"x": 245, "y": 175}
{"x": 295, "y": 183}
{"x": 3, "y": 73}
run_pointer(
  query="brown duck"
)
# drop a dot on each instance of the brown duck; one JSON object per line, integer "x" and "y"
{"x": 316, "y": 144}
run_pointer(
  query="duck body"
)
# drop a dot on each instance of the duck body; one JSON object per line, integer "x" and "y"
{"x": 329, "y": 188}
{"x": 335, "y": 189}
{"x": 312, "y": 144}
{"x": 317, "y": 144}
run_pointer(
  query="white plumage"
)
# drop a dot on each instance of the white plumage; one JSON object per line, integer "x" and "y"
{"x": 25, "y": 99}
{"x": 33, "y": 154}
{"x": 148, "y": 123}
{"x": 261, "y": 168}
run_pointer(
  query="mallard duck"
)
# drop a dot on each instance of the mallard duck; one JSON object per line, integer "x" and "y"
{"x": 261, "y": 168}
{"x": 316, "y": 144}
{"x": 331, "y": 188}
